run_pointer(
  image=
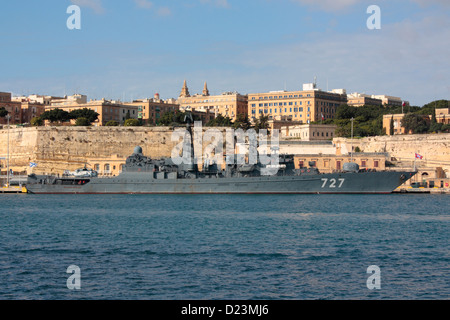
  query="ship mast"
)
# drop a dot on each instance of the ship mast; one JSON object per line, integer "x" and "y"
{"x": 192, "y": 166}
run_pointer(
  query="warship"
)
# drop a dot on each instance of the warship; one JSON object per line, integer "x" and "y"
{"x": 144, "y": 175}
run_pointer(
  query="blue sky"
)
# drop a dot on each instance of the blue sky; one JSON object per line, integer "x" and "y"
{"x": 130, "y": 49}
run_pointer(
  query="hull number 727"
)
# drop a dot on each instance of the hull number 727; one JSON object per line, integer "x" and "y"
{"x": 332, "y": 183}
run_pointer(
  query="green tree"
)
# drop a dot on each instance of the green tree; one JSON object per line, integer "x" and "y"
{"x": 220, "y": 121}
{"x": 414, "y": 123}
{"x": 3, "y": 112}
{"x": 36, "y": 122}
{"x": 434, "y": 125}
{"x": 86, "y": 113}
{"x": 175, "y": 118}
{"x": 56, "y": 115}
{"x": 345, "y": 112}
{"x": 445, "y": 127}
{"x": 132, "y": 123}
{"x": 82, "y": 122}
{"x": 112, "y": 123}
{"x": 242, "y": 122}
{"x": 261, "y": 123}
{"x": 430, "y": 107}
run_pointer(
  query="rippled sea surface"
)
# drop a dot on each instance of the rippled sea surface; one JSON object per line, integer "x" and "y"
{"x": 225, "y": 246}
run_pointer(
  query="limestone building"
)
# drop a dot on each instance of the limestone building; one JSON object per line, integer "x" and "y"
{"x": 108, "y": 110}
{"x": 309, "y": 132}
{"x": 443, "y": 115}
{"x": 151, "y": 110}
{"x": 227, "y": 104}
{"x": 359, "y": 99}
{"x": 305, "y": 106}
{"x": 14, "y": 109}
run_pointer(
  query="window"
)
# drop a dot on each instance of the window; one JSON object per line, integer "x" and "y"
{"x": 375, "y": 163}
{"x": 363, "y": 163}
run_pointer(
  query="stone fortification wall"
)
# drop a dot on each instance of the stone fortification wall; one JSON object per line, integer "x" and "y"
{"x": 435, "y": 148}
{"x": 56, "y": 149}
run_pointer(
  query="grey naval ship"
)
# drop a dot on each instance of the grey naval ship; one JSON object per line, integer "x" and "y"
{"x": 144, "y": 175}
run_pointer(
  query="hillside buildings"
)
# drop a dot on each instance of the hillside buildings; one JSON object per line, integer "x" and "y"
{"x": 304, "y": 106}
{"x": 151, "y": 110}
{"x": 14, "y": 109}
{"x": 309, "y": 132}
{"x": 227, "y": 104}
{"x": 359, "y": 99}
{"x": 443, "y": 115}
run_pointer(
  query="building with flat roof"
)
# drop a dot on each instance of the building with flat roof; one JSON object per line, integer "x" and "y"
{"x": 227, "y": 104}
{"x": 309, "y": 132}
{"x": 14, "y": 109}
{"x": 108, "y": 110}
{"x": 360, "y": 99}
{"x": 443, "y": 115}
{"x": 310, "y": 104}
{"x": 150, "y": 110}
{"x": 397, "y": 122}
{"x": 391, "y": 101}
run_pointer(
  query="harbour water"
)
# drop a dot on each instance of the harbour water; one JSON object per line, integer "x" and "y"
{"x": 182, "y": 247}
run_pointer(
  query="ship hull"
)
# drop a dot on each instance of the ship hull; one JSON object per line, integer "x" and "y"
{"x": 145, "y": 183}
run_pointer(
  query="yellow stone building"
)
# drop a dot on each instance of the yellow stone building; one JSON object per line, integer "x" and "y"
{"x": 107, "y": 110}
{"x": 227, "y": 104}
{"x": 151, "y": 110}
{"x": 310, "y": 104}
{"x": 443, "y": 115}
{"x": 360, "y": 99}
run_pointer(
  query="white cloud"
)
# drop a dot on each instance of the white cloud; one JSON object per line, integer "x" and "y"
{"x": 407, "y": 59}
{"x": 218, "y": 3}
{"x": 329, "y": 5}
{"x": 424, "y": 3}
{"x": 164, "y": 11}
{"x": 145, "y": 4}
{"x": 95, "y": 5}
{"x": 222, "y": 3}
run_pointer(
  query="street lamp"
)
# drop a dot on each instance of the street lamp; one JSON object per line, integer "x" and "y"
{"x": 7, "y": 157}
{"x": 351, "y": 152}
